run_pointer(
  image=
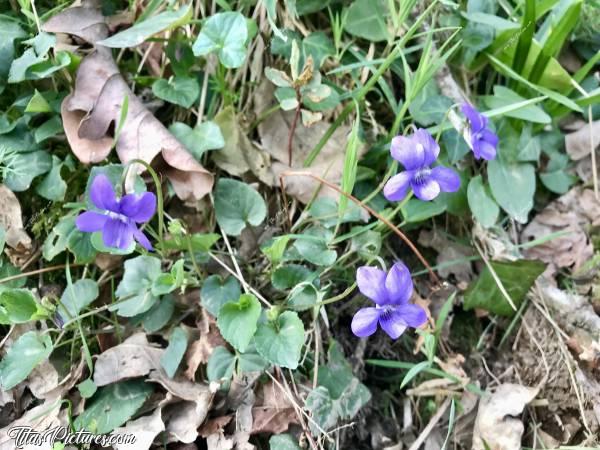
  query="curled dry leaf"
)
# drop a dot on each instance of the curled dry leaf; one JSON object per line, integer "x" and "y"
{"x": 135, "y": 357}
{"x": 145, "y": 429}
{"x": 572, "y": 214}
{"x": 200, "y": 350}
{"x": 43, "y": 417}
{"x": 12, "y": 221}
{"x": 96, "y": 106}
{"x": 452, "y": 256}
{"x": 496, "y": 423}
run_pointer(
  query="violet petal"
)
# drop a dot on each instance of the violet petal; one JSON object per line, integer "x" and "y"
{"x": 103, "y": 195}
{"x": 139, "y": 208}
{"x": 398, "y": 284}
{"x": 364, "y": 322}
{"x": 392, "y": 324}
{"x": 447, "y": 178}
{"x": 90, "y": 221}
{"x": 412, "y": 315}
{"x": 396, "y": 187}
{"x": 427, "y": 189}
{"x": 117, "y": 234}
{"x": 371, "y": 283}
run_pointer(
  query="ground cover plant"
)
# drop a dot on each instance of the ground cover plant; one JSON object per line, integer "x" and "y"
{"x": 300, "y": 224}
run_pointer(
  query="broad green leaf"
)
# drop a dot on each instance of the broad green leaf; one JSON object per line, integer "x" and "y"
{"x": 50, "y": 128}
{"x": 113, "y": 405}
{"x": 53, "y": 187}
{"x": 482, "y": 204}
{"x": 251, "y": 361}
{"x": 513, "y": 187}
{"x": 35, "y": 54}
{"x": 159, "y": 315}
{"x": 319, "y": 46}
{"x": 226, "y": 34}
{"x": 136, "y": 285}
{"x": 322, "y": 410}
{"x": 312, "y": 246}
{"x": 203, "y": 137}
{"x": 505, "y": 97}
{"x": 65, "y": 235}
{"x": 76, "y": 297}
{"x": 455, "y": 145}
{"x": 38, "y": 104}
{"x": 238, "y": 205}
{"x": 220, "y": 364}
{"x": 237, "y": 321}
{"x": 416, "y": 210}
{"x": 280, "y": 341}
{"x": 304, "y": 296}
{"x": 431, "y": 110}
{"x": 367, "y": 244}
{"x": 22, "y": 357}
{"x": 17, "y": 306}
{"x": 182, "y": 91}
{"x": 215, "y": 292}
{"x": 283, "y": 442}
{"x": 368, "y": 19}
{"x": 139, "y": 32}
{"x": 517, "y": 277}
{"x": 87, "y": 388}
{"x": 9, "y": 31}
{"x": 558, "y": 181}
{"x": 287, "y": 276}
{"x": 174, "y": 352}
{"x": 24, "y": 167}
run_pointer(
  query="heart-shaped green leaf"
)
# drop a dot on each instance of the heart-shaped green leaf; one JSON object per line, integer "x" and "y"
{"x": 237, "y": 321}
{"x": 280, "y": 341}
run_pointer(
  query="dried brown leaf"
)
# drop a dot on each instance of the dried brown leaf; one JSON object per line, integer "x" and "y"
{"x": 11, "y": 220}
{"x": 97, "y": 104}
{"x": 135, "y": 357}
{"x": 497, "y": 423}
{"x": 145, "y": 429}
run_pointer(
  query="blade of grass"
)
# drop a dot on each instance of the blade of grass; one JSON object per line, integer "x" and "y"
{"x": 369, "y": 84}
{"x": 525, "y": 37}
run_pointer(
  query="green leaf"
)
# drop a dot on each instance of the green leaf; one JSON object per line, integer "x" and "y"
{"x": 50, "y": 128}
{"x": 22, "y": 357}
{"x": 368, "y": 19}
{"x": 87, "y": 388}
{"x": 416, "y": 210}
{"x": 20, "y": 69}
{"x": 251, "y": 361}
{"x": 312, "y": 246}
{"x": 431, "y": 110}
{"x": 517, "y": 277}
{"x": 367, "y": 244}
{"x": 220, "y": 364}
{"x": 139, "y": 32}
{"x": 173, "y": 354}
{"x": 237, "y": 321}
{"x": 65, "y": 235}
{"x": 182, "y": 91}
{"x": 319, "y": 46}
{"x": 304, "y": 296}
{"x": 215, "y": 292}
{"x": 482, "y": 204}
{"x": 9, "y": 31}
{"x": 17, "y": 306}
{"x": 280, "y": 342}
{"x": 113, "y": 405}
{"x": 53, "y": 187}
{"x": 159, "y": 315}
{"x": 38, "y": 104}
{"x": 513, "y": 187}
{"x": 76, "y": 297}
{"x": 558, "y": 181}
{"x": 504, "y": 97}
{"x": 288, "y": 276}
{"x": 275, "y": 249}
{"x": 283, "y": 442}
{"x": 238, "y": 205}
{"x": 24, "y": 167}
{"x": 203, "y": 137}
{"x": 136, "y": 284}
{"x": 226, "y": 34}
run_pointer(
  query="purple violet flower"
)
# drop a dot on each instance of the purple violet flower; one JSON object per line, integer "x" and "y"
{"x": 482, "y": 140}
{"x": 119, "y": 217}
{"x": 391, "y": 293}
{"x": 417, "y": 153}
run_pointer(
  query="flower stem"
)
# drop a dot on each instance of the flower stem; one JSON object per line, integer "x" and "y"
{"x": 159, "y": 196}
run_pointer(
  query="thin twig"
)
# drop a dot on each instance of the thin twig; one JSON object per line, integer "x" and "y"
{"x": 293, "y": 128}
{"x": 36, "y": 272}
{"x": 371, "y": 211}
{"x": 429, "y": 427}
